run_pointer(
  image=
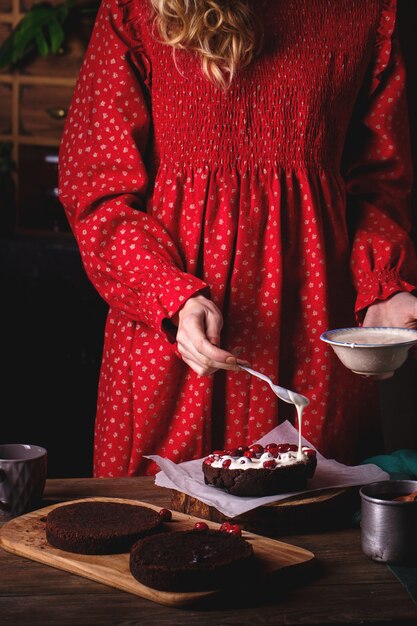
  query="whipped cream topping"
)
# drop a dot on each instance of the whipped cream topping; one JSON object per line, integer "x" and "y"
{"x": 271, "y": 457}
{"x": 261, "y": 460}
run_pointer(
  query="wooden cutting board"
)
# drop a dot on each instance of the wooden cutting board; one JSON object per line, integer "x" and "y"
{"x": 317, "y": 511}
{"x": 25, "y": 536}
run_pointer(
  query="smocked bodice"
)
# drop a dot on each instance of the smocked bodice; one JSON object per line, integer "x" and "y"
{"x": 292, "y": 105}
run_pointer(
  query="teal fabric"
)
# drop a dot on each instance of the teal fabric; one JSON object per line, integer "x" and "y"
{"x": 400, "y": 465}
{"x": 407, "y": 576}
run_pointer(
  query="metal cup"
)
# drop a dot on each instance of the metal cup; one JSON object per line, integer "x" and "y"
{"x": 389, "y": 528}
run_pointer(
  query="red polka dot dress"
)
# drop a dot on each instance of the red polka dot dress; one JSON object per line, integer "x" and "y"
{"x": 283, "y": 198}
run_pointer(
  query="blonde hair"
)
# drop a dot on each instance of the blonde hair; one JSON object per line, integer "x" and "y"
{"x": 225, "y": 33}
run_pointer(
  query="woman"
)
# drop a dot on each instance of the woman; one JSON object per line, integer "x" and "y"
{"x": 222, "y": 165}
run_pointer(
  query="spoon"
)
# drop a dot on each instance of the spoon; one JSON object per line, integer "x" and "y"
{"x": 285, "y": 394}
{"x": 410, "y": 497}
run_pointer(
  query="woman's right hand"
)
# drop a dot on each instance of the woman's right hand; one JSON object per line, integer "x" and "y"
{"x": 199, "y": 324}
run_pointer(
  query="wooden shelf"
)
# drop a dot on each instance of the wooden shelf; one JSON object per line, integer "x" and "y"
{"x": 15, "y": 78}
{"x": 32, "y": 141}
{"x": 39, "y": 141}
{"x": 34, "y": 99}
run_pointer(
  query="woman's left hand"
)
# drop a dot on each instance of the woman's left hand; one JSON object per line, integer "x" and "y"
{"x": 400, "y": 310}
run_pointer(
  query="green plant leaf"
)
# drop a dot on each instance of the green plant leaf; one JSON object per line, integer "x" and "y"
{"x": 32, "y": 23}
{"x": 41, "y": 44}
{"x": 31, "y": 31}
{"x": 56, "y": 35}
{"x": 6, "y": 51}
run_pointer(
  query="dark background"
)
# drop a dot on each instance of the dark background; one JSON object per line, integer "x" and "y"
{"x": 52, "y": 333}
{"x": 399, "y": 394}
{"x": 53, "y": 325}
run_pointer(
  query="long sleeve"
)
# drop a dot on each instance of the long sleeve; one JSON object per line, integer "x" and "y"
{"x": 128, "y": 255}
{"x": 377, "y": 172}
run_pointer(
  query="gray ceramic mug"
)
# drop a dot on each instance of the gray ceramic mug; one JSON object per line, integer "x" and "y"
{"x": 22, "y": 477}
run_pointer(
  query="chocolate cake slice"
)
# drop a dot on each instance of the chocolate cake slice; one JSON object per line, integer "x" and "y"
{"x": 191, "y": 560}
{"x": 100, "y": 527}
{"x": 260, "y": 471}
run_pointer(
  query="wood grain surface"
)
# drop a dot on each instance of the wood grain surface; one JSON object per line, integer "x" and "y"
{"x": 317, "y": 511}
{"x": 339, "y": 587}
{"x": 25, "y": 536}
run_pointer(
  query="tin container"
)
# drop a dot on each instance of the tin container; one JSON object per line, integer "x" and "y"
{"x": 389, "y": 528}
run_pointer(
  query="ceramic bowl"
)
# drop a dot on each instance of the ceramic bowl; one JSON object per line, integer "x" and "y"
{"x": 371, "y": 350}
{"x": 389, "y": 527}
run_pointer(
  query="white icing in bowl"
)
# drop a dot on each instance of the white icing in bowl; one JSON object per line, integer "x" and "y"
{"x": 371, "y": 350}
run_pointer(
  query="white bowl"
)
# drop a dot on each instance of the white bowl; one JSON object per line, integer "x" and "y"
{"x": 371, "y": 350}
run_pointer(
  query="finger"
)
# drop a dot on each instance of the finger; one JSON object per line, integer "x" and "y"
{"x": 196, "y": 364}
{"x": 236, "y": 352}
{"x": 202, "y": 345}
{"x": 214, "y": 324}
{"x": 188, "y": 352}
{"x": 243, "y": 362}
{"x": 198, "y": 369}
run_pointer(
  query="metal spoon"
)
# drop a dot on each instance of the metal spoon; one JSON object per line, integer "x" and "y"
{"x": 410, "y": 497}
{"x": 285, "y": 394}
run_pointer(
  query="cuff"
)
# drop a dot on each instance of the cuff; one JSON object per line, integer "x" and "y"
{"x": 165, "y": 295}
{"x": 169, "y": 328}
{"x": 378, "y": 286}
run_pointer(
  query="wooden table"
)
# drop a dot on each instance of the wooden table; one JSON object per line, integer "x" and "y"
{"x": 345, "y": 587}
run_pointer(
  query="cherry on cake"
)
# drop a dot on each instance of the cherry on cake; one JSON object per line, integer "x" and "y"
{"x": 192, "y": 560}
{"x": 260, "y": 471}
{"x": 97, "y": 527}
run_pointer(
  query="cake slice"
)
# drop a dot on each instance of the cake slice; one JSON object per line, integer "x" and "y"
{"x": 97, "y": 527}
{"x": 260, "y": 471}
{"x": 192, "y": 560}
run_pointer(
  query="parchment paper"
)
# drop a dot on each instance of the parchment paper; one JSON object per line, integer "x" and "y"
{"x": 188, "y": 477}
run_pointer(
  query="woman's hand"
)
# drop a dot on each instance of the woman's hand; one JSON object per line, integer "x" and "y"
{"x": 400, "y": 310}
{"x": 199, "y": 324}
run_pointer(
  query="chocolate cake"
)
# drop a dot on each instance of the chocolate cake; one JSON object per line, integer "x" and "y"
{"x": 260, "y": 471}
{"x": 191, "y": 560}
{"x": 100, "y": 527}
